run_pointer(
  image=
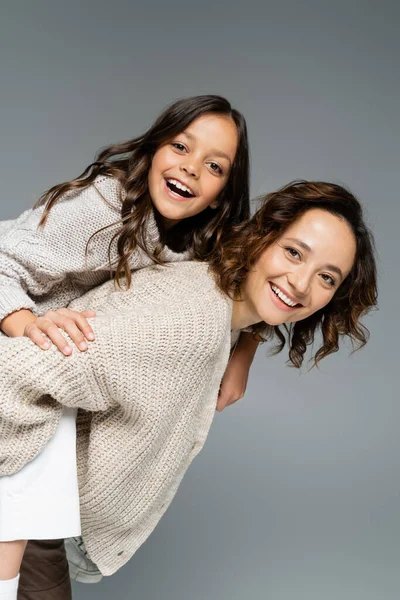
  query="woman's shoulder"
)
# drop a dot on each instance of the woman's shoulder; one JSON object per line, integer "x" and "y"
{"x": 181, "y": 280}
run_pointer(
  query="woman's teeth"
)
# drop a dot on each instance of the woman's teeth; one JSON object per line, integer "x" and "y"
{"x": 179, "y": 188}
{"x": 282, "y": 296}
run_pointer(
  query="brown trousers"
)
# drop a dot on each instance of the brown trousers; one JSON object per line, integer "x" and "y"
{"x": 44, "y": 572}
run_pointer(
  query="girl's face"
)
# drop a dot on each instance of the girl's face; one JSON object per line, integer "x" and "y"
{"x": 299, "y": 274}
{"x": 188, "y": 173}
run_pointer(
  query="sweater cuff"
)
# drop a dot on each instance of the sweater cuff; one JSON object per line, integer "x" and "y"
{"x": 12, "y": 299}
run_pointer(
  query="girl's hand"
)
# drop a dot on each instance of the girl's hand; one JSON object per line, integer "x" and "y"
{"x": 234, "y": 381}
{"x": 45, "y": 329}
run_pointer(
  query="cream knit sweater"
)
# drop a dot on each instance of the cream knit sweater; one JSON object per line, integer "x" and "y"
{"x": 44, "y": 269}
{"x": 151, "y": 377}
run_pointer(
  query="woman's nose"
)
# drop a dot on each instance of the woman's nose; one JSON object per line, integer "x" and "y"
{"x": 300, "y": 282}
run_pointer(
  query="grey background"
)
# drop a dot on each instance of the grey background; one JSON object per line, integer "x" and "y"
{"x": 296, "y": 493}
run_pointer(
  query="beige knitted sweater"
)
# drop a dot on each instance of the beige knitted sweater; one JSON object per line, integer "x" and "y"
{"x": 44, "y": 269}
{"x": 151, "y": 377}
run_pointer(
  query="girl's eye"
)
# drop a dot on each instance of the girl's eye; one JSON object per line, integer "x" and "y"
{"x": 215, "y": 167}
{"x": 179, "y": 146}
{"x": 293, "y": 252}
{"x": 328, "y": 279}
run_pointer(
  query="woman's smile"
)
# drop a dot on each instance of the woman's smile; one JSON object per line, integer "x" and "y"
{"x": 299, "y": 273}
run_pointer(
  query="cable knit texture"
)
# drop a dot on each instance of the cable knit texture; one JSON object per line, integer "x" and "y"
{"x": 151, "y": 377}
{"x": 44, "y": 269}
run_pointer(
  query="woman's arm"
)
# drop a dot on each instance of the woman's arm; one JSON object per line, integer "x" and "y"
{"x": 234, "y": 382}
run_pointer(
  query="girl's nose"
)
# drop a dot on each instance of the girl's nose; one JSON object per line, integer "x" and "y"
{"x": 191, "y": 169}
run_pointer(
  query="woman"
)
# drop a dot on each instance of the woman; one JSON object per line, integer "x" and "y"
{"x": 306, "y": 259}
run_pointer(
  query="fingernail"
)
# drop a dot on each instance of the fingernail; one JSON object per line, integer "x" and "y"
{"x": 67, "y": 349}
{"x": 83, "y": 346}
{"x": 46, "y": 345}
{"x": 90, "y": 336}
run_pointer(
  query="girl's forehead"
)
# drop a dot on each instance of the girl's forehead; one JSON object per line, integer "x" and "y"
{"x": 216, "y": 130}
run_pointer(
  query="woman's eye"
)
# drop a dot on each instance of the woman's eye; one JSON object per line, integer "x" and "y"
{"x": 293, "y": 252}
{"x": 179, "y": 146}
{"x": 215, "y": 167}
{"x": 328, "y": 279}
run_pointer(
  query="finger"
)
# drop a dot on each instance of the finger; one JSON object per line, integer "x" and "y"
{"x": 74, "y": 332}
{"x": 84, "y": 326}
{"x": 222, "y": 402}
{"x": 54, "y": 335}
{"x": 80, "y": 319}
{"x": 89, "y": 312}
{"x": 37, "y": 337}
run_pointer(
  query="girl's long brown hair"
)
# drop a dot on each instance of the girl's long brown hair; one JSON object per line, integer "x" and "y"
{"x": 129, "y": 162}
{"x": 234, "y": 258}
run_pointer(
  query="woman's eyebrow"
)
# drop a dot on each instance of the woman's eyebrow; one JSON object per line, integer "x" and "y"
{"x": 214, "y": 152}
{"x": 303, "y": 245}
{"x": 307, "y": 248}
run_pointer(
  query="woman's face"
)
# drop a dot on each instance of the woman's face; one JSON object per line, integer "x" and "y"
{"x": 188, "y": 173}
{"x": 299, "y": 274}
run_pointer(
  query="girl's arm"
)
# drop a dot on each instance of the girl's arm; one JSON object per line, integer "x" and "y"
{"x": 33, "y": 260}
{"x": 234, "y": 382}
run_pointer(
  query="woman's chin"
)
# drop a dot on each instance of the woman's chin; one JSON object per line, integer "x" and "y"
{"x": 276, "y": 320}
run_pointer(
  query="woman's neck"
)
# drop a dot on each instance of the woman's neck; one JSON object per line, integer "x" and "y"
{"x": 243, "y": 315}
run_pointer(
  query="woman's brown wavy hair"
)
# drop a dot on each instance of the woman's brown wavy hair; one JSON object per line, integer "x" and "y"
{"x": 238, "y": 252}
{"x": 129, "y": 162}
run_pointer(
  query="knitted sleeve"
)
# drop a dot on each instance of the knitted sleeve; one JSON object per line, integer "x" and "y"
{"x": 34, "y": 260}
{"x": 33, "y": 386}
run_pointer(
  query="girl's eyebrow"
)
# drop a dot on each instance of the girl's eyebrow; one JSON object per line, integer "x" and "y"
{"x": 214, "y": 152}
{"x": 307, "y": 248}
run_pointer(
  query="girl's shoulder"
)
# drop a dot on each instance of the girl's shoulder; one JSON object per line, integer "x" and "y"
{"x": 110, "y": 190}
{"x": 104, "y": 191}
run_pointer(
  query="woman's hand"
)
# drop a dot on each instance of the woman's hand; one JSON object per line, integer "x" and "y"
{"x": 234, "y": 382}
{"x": 45, "y": 329}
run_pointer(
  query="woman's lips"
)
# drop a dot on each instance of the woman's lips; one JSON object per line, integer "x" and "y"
{"x": 278, "y": 302}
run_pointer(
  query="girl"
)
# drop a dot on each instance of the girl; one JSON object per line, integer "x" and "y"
{"x": 305, "y": 260}
{"x": 165, "y": 196}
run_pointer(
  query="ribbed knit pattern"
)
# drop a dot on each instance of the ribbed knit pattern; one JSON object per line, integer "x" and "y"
{"x": 44, "y": 269}
{"x": 151, "y": 377}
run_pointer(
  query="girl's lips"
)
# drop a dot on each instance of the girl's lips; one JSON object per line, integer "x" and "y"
{"x": 278, "y": 302}
{"x": 174, "y": 196}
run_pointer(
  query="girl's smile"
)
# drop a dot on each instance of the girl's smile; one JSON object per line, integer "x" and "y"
{"x": 189, "y": 172}
{"x": 177, "y": 190}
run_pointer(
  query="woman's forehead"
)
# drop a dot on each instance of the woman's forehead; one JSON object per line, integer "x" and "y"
{"x": 325, "y": 237}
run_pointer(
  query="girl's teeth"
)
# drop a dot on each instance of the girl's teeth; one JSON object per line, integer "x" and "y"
{"x": 180, "y": 186}
{"x": 282, "y": 296}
